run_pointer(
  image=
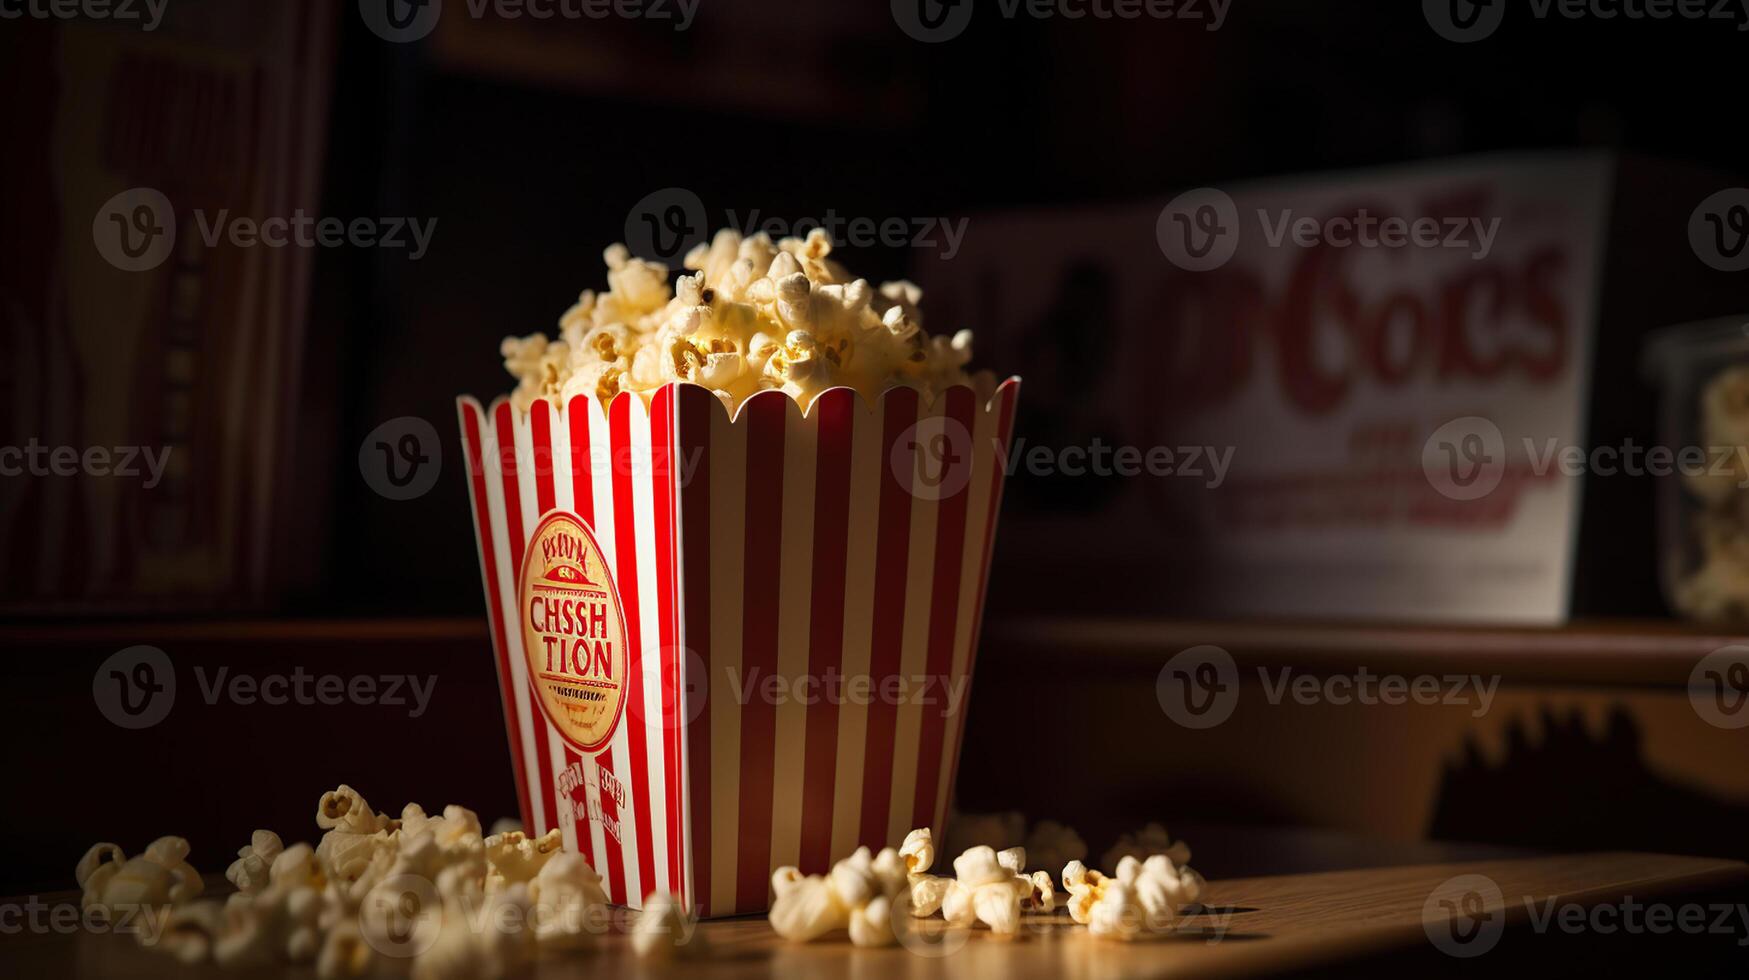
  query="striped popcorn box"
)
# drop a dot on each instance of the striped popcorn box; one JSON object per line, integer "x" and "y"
{"x": 728, "y": 644}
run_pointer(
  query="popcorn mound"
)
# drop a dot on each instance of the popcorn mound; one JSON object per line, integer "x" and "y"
{"x": 428, "y": 897}
{"x": 751, "y": 316}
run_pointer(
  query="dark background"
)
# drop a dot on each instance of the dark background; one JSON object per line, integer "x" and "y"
{"x": 531, "y": 143}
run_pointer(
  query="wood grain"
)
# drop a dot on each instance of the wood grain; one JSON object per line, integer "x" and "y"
{"x": 1253, "y": 926}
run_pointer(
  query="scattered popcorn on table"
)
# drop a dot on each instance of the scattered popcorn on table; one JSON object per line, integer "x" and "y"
{"x": 1042, "y": 896}
{"x": 665, "y": 929}
{"x": 984, "y": 890}
{"x": 806, "y": 908}
{"x": 569, "y": 891}
{"x": 753, "y": 315}
{"x": 189, "y": 931}
{"x": 1085, "y": 886}
{"x": 249, "y": 871}
{"x": 927, "y": 890}
{"x": 161, "y": 875}
{"x": 514, "y": 857}
{"x": 857, "y": 896}
{"x": 1143, "y": 901}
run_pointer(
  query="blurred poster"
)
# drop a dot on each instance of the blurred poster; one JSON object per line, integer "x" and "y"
{"x": 147, "y": 365}
{"x": 1332, "y": 396}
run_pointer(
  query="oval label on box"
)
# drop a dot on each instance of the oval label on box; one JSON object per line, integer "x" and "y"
{"x": 573, "y": 631}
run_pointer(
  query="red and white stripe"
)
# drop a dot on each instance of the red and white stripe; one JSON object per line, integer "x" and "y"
{"x": 771, "y": 544}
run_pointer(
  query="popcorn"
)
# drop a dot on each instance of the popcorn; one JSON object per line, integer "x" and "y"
{"x": 1085, "y": 887}
{"x": 927, "y": 890}
{"x": 514, "y": 858}
{"x": 984, "y": 890}
{"x": 568, "y": 893}
{"x": 1053, "y": 845}
{"x": 753, "y": 315}
{"x": 1042, "y": 896}
{"x": 665, "y": 929}
{"x": 345, "y": 954}
{"x": 249, "y": 871}
{"x": 1145, "y": 843}
{"x": 856, "y": 895}
{"x": 1144, "y": 900}
{"x": 189, "y": 932}
{"x": 806, "y": 907}
{"x": 1719, "y": 588}
{"x": 159, "y": 876}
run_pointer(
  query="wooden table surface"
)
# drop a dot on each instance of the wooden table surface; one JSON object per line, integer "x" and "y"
{"x": 1340, "y": 921}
